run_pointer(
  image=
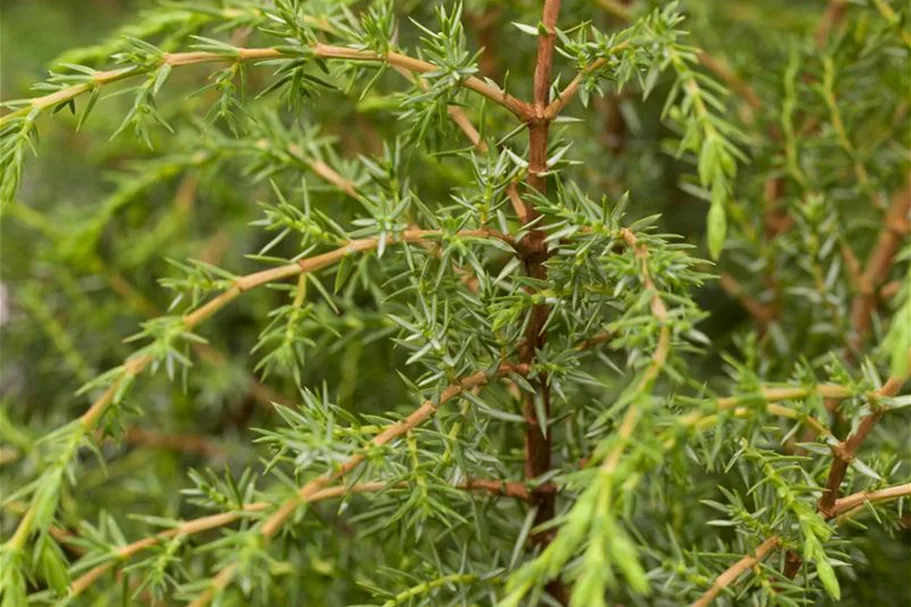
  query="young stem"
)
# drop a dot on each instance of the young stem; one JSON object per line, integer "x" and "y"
{"x": 736, "y": 570}
{"x": 659, "y": 357}
{"x": 846, "y": 504}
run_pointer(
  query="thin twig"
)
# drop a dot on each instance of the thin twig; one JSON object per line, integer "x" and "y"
{"x": 456, "y": 114}
{"x": 518, "y": 206}
{"x": 659, "y": 356}
{"x": 845, "y": 451}
{"x": 278, "y": 519}
{"x": 324, "y": 51}
{"x": 770, "y": 395}
{"x": 136, "y": 364}
{"x": 572, "y": 89}
{"x": 520, "y": 108}
{"x": 215, "y": 521}
{"x": 737, "y": 84}
{"x": 730, "y": 575}
{"x": 841, "y": 512}
{"x": 848, "y": 503}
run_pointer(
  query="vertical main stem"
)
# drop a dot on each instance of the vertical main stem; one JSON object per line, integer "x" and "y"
{"x": 534, "y": 255}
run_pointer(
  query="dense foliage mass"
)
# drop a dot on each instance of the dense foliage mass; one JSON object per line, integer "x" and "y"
{"x": 509, "y": 303}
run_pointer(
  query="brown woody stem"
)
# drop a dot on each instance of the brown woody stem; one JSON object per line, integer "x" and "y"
{"x": 324, "y": 51}
{"x": 278, "y": 519}
{"x": 876, "y": 270}
{"x": 733, "y": 572}
{"x": 534, "y": 254}
{"x": 845, "y": 452}
{"x": 843, "y": 508}
{"x": 832, "y": 16}
{"x": 215, "y": 521}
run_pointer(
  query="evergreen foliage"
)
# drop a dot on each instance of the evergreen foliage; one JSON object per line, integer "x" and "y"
{"x": 399, "y": 303}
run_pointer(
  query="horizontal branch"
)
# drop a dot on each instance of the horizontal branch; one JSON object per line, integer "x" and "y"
{"x": 507, "y": 488}
{"x": 846, "y": 504}
{"x": 207, "y": 523}
{"x": 521, "y": 109}
{"x": 324, "y": 51}
{"x": 771, "y": 395}
{"x": 199, "y": 525}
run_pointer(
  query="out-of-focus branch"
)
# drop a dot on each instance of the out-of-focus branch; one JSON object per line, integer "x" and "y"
{"x": 876, "y": 270}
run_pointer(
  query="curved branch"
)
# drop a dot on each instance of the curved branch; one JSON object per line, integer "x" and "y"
{"x": 843, "y": 506}
{"x": 199, "y": 525}
{"x": 135, "y": 365}
{"x": 324, "y": 51}
{"x": 276, "y": 522}
{"x": 770, "y": 395}
{"x": 456, "y": 114}
{"x": 518, "y": 107}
